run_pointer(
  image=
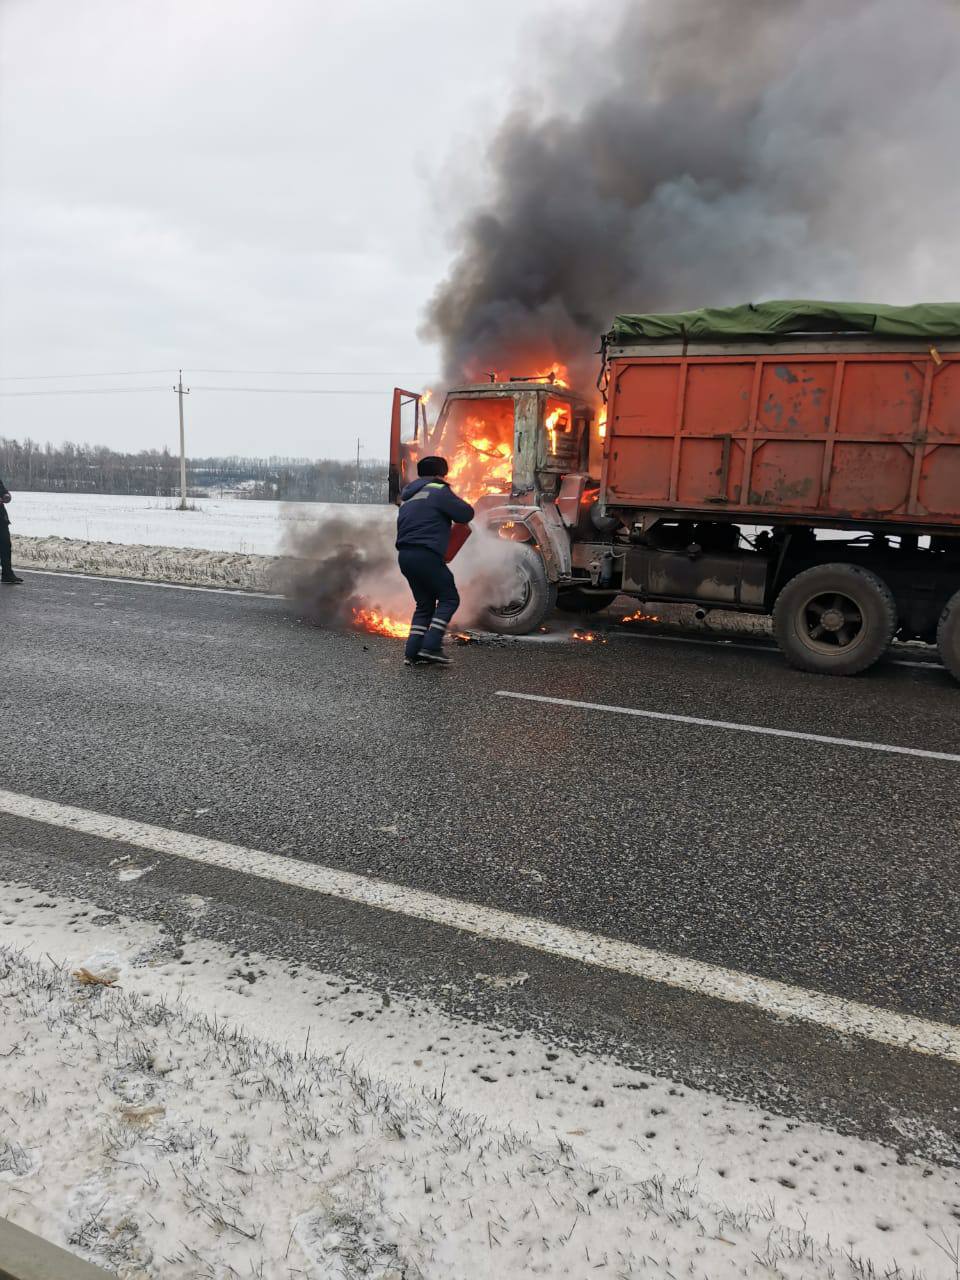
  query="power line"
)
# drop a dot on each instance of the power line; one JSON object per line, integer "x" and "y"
{"x": 304, "y": 391}
{"x": 325, "y": 373}
{"x": 85, "y": 391}
{"x": 259, "y": 373}
{"x": 53, "y": 377}
{"x": 290, "y": 391}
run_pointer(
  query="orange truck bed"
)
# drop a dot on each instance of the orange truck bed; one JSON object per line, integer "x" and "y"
{"x": 827, "y": 432}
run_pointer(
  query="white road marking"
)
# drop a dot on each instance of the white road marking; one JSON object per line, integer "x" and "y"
{"x": 779, "y": 999}
{"x": 143, "y": 582}
{"x": 732, "y": 724}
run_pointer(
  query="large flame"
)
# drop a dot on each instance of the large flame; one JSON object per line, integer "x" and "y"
{"x": 380, "y": 624}
{"x": 478, "y": 445}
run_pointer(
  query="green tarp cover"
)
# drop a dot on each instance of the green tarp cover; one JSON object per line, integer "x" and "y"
{"x": 771, "y": 320}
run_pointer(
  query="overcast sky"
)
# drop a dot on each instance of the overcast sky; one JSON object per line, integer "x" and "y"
{"x": 246, "y": 185}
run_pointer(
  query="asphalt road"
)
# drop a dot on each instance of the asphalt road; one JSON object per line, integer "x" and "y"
{"x": 827, "y": 866}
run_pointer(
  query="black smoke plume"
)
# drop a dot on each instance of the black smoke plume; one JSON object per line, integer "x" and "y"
{"x": 340, "y": 563}
{"x": 707, "y": 152}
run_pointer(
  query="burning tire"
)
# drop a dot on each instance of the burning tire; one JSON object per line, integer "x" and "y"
{"x": 948, "y": 636}
{"x": 577, "y": 601}
{"x": 529, "y": 596}
{"x": 835, "y": 619}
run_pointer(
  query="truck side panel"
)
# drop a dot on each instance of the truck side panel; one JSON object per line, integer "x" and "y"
{"x": 871, "y": 436}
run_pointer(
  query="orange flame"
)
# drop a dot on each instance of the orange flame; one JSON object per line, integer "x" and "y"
{"x": 379, "y": 624}
{"x": 602, "y": 423}
{"x": 480, "y": 465}
{"x": 640, "y": 616}
{"x": 551, "y": 424}
{"x": 589, "y": 637}
{"x": 556, "y": 373}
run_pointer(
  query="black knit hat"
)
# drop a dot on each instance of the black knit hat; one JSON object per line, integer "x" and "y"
{"x": 432, "y": 466}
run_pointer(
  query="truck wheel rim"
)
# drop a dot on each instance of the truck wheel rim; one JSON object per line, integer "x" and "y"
{"x": 519, "y": 602}
{"x": 832, "y": 622}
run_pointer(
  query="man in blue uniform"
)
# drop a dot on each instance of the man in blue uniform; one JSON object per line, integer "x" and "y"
{"x": 428, "y": 510}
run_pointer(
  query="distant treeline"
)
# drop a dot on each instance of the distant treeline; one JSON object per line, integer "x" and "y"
{"x": 84, "y": 468}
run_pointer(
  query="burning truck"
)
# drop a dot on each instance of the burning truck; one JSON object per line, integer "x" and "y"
{"x": 797, "y": 459}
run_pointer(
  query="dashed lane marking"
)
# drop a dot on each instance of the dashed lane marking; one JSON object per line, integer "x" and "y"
{"x": 732, "y": 725}
{"x": 778, "y": 999}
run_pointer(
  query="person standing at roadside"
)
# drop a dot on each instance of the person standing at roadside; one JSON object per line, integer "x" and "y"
{"x": 7, "y": 575}
{"x": 428, "y": 510}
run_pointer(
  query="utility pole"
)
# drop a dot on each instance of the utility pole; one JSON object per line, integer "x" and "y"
{"x": 356, "y": 487}
{"x": 179, "y": 389}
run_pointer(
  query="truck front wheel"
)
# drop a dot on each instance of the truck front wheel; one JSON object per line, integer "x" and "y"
{"x": 527, "y": 596}
{"x": 835, "y": 619}
{"x": 948, "y": 636}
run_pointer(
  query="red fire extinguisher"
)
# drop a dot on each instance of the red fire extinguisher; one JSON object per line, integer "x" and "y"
{"x": 458, "y": 536}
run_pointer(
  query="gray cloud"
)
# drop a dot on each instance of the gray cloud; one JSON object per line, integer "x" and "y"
{"x": 243, "y": 186}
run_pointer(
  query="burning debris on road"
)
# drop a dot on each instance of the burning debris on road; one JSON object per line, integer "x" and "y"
{"x": 379, "y": 624}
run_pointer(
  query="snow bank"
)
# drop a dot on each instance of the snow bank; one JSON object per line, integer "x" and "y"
{"x": 188, "y": 566}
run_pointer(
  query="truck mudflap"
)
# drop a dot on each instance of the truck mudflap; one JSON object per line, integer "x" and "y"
{"x": 546, "y": 529}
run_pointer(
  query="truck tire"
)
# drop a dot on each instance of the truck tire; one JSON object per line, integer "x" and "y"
{"x": 573, "y": 600}
{"x": 531, "y": 598}
{"x": 834, "y": 619}
{"x": 948, "y": 636}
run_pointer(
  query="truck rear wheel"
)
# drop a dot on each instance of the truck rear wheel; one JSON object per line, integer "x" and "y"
{"x": 948, "y": 636}
{"x": 835, "y": 619}
{"x": 528, "y": 596}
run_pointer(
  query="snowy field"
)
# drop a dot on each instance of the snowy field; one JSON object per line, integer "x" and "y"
{"x": 209, "y": 1114}
{"x": 218, "y": 524}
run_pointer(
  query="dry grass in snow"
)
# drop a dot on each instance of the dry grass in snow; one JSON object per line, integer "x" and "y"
{"x": 159, "y": 1143}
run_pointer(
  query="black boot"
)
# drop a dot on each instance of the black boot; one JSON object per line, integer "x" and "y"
{"x": 10, "y": 578}
{"x": 438, "y": 659}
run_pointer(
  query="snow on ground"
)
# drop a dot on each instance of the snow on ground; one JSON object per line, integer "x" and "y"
{"x": 158, "y": 1126}
{"x": 218, "y": 524}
